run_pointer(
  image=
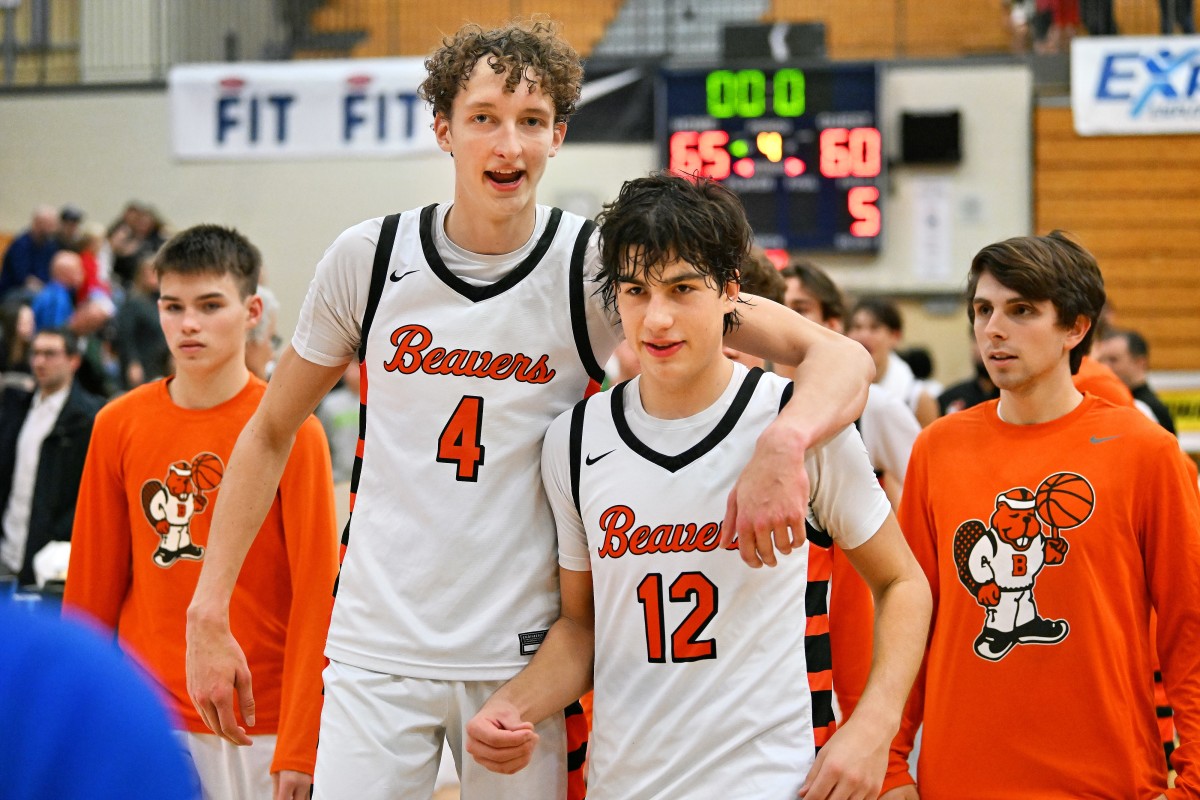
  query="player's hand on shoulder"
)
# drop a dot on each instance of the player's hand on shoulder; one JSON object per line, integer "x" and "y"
{"x": 988, "y": 594}
{"x": 291, "y": 785}
{"x": 768, "y": 504}
{"x": 851, "y": 765}
{"x": 217, "y": 673}
{"x": 907, "y": 792}
{"x": 499, "y": 739}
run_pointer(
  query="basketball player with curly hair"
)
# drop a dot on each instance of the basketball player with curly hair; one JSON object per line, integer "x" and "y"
{"x": 475, "y": 324}
{"x": 1050, "y": 523}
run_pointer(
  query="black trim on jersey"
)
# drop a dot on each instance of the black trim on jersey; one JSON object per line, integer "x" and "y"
{"x": 817, "y": 536}
{"x": 379, "y": 267}
{"x": 816, "y": 598}
{"x": 578, "y": 756}
{"x": 822, "y": 708}
{"x": 787, "y": 395}
{"x": 576, "y": 450}
{"x": 818, "y": 653}
{"x": 383, "y": 257}
{"x": 711, "y": 440}
{"x": 477, "y": 293}
{"x": 578, "y": 304}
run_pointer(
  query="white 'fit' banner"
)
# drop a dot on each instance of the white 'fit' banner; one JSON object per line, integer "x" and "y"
{"x": 299, "y": 109}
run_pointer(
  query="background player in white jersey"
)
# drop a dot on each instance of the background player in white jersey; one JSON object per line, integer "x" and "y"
{"x": 475, "y": 326}
{"x": 697, "y": 674}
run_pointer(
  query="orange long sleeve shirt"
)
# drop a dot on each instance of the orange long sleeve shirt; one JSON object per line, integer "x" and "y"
{"x": 145, "y": 504}
{"x": 1067, "y": 711}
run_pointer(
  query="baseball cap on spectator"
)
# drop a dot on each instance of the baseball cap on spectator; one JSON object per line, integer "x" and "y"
{"x": 70, "y": 213}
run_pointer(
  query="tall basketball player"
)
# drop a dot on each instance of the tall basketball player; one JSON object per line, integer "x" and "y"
{"x": 475, "y": 325}
{"x": 1049, "y": 523}
{"x": 699, "y": 678}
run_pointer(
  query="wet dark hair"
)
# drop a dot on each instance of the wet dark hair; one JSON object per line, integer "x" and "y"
{"x": 665, "y": 217}
{"x": 513, "y": 50}
{"x": 214, "y": 250}
{"x": 1053, "y": 268}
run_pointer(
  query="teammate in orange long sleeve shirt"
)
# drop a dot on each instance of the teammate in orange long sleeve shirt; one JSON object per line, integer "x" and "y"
{"x": 152, "y": 476}
{"x": 1050, "y": 524}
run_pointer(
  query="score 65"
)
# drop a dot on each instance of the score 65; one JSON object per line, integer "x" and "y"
{"x": 700, "y": 153}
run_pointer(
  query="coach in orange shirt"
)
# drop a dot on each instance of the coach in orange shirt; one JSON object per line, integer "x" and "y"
{"x": 1050, "y": 523}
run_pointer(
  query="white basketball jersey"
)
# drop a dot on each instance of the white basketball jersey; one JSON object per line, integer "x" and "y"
{"x": 449, "y": 563}
{"x": 701, "y": 683}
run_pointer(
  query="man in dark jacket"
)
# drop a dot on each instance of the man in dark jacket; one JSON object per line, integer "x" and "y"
{"x": 43, "y": 442}
{"x": 1127, "y": 354}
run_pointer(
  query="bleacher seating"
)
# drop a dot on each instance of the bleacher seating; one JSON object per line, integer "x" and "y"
{"x": 397, "y": 27}
{"x": 1133, "y": 201}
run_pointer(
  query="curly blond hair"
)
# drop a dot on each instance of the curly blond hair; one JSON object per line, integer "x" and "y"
{"x": 514, "y": 50}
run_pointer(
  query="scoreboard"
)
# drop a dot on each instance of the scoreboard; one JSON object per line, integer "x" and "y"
{"x": 799, "y": 144}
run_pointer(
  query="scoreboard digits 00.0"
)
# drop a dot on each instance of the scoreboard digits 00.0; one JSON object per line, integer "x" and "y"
{"x": 800, "y": 145}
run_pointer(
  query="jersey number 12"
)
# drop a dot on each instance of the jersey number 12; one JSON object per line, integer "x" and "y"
{"x": 685, "y": 642}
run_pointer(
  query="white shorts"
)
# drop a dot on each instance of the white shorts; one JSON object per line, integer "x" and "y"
{"x": 230, "y": 772}
{"x": 382, "y": 736}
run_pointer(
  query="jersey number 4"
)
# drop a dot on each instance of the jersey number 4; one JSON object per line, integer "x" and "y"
{"x": 459, "y": 443}
{"x": 685, "y": 645}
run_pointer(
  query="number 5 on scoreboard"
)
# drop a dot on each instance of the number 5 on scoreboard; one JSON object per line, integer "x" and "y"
{"x": 459, "y": 442}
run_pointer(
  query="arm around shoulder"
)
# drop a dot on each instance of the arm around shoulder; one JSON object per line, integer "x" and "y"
{"x": 769, "y": 500}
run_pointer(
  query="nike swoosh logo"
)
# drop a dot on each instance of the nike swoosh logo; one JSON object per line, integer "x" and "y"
{"x": 594, "y": 90}
{"x": 589, "y": 460}
{"x": 1099, "y": 439}
{"x": 394, "y": 277}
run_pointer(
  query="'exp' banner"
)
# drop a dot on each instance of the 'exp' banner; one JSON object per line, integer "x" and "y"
{"x": 1135, "y": 84}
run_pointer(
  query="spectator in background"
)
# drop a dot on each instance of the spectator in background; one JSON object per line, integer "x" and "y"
{"x": 141, "y": 347}
{"x": 80, "y": 719}
{"x": 971, "y": 392}
{"x": 1177, "y": 12}
{"x": 69, "y": 233}
{"x": 92, "y": 247}
{"x": 263, "y": 342}
{"x": 1098, "y": 17}
{"x": 54, "y": 304}
{"x": 875, "y": 323}
{"x": 26, "y": 264}
{"x": 16, "y": 335}
{"x": 43, "y": 442}
{"x": 920, "y": 361}
{"x": 138, "y": 232}
{"x": 1127, "y": 354}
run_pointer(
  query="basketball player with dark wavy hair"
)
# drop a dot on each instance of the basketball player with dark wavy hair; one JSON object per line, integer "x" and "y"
{"x": 1050, "y": 524}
